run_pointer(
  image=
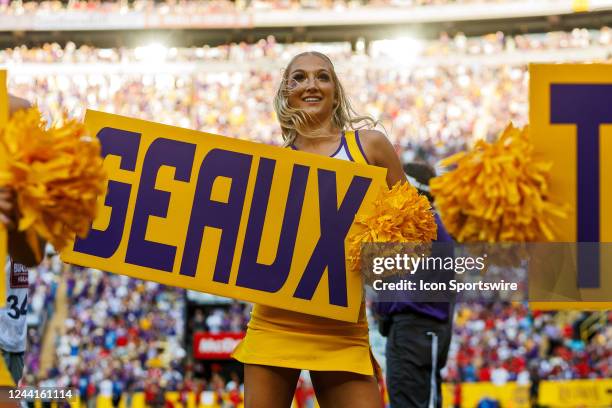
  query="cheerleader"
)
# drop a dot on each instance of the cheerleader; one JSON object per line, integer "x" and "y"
{"x": 316, "y": 116}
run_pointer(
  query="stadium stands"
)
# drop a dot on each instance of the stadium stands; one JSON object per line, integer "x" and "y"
{"x": 429, "y": 110}
{"x": 502, "y": 343}
{"x": 221, "y": 21}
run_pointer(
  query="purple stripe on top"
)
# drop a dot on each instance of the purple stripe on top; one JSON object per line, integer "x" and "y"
{"x": 342, "y": 142}
{"x": 346, "y": 148}
{"x": 361, "y": 147}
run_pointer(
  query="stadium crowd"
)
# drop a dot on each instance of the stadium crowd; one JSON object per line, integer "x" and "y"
{"x": 458, "y": 44}
{"x": 43, "y": 282}
{"x": 431, "y": 111}
{"x": 120, "y": 335}
{"x": 510, "y": 342}
{"x": 495, "y": 43}
{"x": 232, "y": 319}
{"x": 428, "y": 111}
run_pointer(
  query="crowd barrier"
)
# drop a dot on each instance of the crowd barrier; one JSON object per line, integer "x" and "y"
{"x": 596, "y": 393}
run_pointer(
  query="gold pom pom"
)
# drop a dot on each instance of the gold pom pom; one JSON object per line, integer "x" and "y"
{"x": 497, "y": 193}
{"x": 56, "y": 173}
{"x": 397, "y": 215}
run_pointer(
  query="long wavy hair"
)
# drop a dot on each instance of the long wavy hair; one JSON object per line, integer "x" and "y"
{"x": 296, "y": 121}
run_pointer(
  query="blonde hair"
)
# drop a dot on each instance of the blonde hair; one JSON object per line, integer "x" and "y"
{"x": 295, "y": 121}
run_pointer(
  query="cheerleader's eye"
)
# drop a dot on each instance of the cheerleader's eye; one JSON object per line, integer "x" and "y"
{"x": 299, "y": 77}
{"x": 324, "y": 77}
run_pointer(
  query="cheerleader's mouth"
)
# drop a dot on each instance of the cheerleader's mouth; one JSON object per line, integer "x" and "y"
{"x": 312, "y": 99}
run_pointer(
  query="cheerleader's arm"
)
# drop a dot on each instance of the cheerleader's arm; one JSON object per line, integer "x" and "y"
{"x": 380, "y": 152}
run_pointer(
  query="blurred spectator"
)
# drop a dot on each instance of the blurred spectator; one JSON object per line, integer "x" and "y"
{"x": 511, "y": 342}
{"x": 499, "y": 375}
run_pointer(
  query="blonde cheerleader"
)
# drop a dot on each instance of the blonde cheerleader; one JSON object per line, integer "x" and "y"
{"x": 316, "y": 117}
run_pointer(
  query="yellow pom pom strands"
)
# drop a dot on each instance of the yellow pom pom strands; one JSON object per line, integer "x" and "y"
{"x": 56, "y": 173}
{"x": 498, "y": 192}
{"x": 398, "y": 215}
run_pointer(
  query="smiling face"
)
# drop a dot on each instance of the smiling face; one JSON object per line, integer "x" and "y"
{"x": 311, "y": 87}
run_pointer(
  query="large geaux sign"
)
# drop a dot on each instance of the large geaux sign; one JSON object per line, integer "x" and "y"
{"x": 229, "y": 217}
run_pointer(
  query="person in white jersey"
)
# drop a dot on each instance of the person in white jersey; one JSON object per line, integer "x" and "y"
{"x": 13, "y": 315}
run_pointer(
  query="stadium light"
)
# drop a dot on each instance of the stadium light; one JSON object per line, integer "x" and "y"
{"x": 403, "y": 49}
{"x": 154, "y": 52}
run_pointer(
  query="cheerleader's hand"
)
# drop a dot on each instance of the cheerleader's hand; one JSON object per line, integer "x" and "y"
{"x": 7, "y": 208}
{"x": 22, "y": 249}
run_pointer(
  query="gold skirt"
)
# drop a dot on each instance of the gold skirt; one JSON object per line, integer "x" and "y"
{"x": 282, "y": 338}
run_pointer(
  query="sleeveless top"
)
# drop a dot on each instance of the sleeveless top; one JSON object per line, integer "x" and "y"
{"x": 350, "y": 148}
{"x": 284, "y": 338}
{"x": 13, "y": 315}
